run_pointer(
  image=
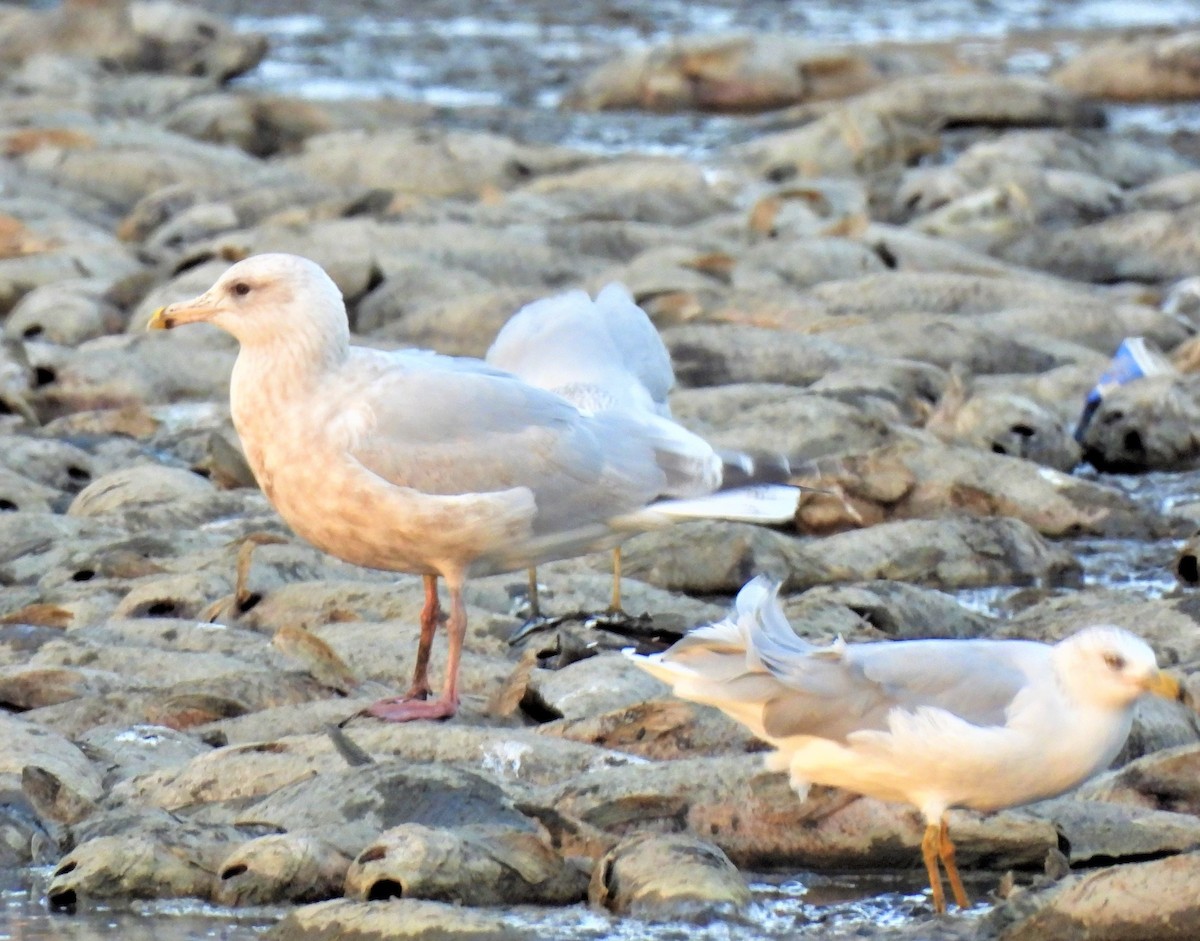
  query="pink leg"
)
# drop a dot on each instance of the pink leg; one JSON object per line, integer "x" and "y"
{"x": 429, "y": 621}
{"x": 407, "y": 708}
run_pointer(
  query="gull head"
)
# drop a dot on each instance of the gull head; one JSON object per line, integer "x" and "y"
{"x": 265, "y": 300}
{"x": 1108, "y": 666}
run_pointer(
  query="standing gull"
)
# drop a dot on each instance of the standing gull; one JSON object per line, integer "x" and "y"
{"x": 984, "y": 724}
{"x": 413, "y": 462}
{"x": 604, "y": 355}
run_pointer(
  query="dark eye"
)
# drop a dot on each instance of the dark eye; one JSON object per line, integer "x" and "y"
{"x": 241, "y": 288}
{"x": 1114, "y": 661}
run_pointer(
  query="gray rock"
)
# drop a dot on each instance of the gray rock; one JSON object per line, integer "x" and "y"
{"x": 1121, "y": 903}
{"x": 281, "y": 867}
{"x": 663, "y": 877}
{"x": 399, "y": 920}
{"x": 468, "y": 865}
{"x": 1100, "y": 833}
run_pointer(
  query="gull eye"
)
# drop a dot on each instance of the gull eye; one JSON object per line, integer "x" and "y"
{"x": 240, "y": 288}
{"x": 1114, "y": 661}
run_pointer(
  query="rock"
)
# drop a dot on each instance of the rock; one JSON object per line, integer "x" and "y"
{"x": 1166, "y": 624}
{"x": 663, "y": 729}
{"x": 136, "y": 866}
{"x": 593, "y": 686}
{"x": 1136, "y": 68}
{"x": 1153, "y": 246}
{"x": 915, "y": 478}
{"x": 65, "y": 312}
{"x": 1147, "y": 424}
{"x": 349, "y": 808}
{"x": 428, "y": 163}
{"x": 757, "y": 820}
{"x": 1155, "y": 899}
{"x": 1099, "y": 833}
{"x": 27, "y": 744}
{"x": 1163, "y": 780}
{"x": 661, "y": 877}
{"x": 892, "y": 609}
{"x": 278, "y": 868}
{"x": 1009, "y": 424}
{"x": 131, "y": 752}
{"x": 738, "y": 73}
{"x": 475, "y": 866}
{"x": 399, "y": 920}
{"x": 954, "y": 552}
{"x": 711, "y": 355}
{"x": 886, "y": 126}
{"x": 773, "y": 418}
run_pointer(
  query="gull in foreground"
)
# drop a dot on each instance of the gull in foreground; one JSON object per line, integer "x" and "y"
{"x": 604, "y": 356}
{"x": 983, "y": 724}
{"x": 413, "y": 462}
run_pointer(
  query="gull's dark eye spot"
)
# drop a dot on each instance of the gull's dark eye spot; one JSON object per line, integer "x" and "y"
{"x": 1114, "y": 661}
{"x": 240, "y": 288}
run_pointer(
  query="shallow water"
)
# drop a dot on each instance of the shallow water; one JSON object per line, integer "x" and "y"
{"x": 799, "y": 906}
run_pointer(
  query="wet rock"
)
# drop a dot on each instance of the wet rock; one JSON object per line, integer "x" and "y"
{"x": 1147, "y": 424}
{"x": 1155, "y": 898}
{"x": 25, "y": 838}
{"x": 467, "y": 865}
{"x": 661, "y": 877}
{"x": 137, "y": 866}
{"x": 398, "y": 920}
{"x": 278, "y": 868}
{"x": 1136, "y": 68}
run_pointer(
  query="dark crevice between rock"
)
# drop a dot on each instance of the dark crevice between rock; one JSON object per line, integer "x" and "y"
{"x": 537, "y": 709}
{"x": 385, "y": 889}
{"x": 232, "y": 871}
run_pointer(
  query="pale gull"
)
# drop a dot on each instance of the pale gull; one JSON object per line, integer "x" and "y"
{"x": 414, "y": 462}
{"x": 982, "y": 724}
{"x": 605, "y": 355}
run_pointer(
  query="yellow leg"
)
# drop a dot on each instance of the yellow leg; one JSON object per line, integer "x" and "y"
{"x": 535, "y": 609}
{"x": 929, "y": 852}
{"x": 615, "y": 605}
{"x": 946, "y": 854}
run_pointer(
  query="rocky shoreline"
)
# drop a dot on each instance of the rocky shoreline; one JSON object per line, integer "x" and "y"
{"x": 909, "y": 285}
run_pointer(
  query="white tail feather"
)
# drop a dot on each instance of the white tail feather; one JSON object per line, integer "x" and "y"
{"x": 771, "y": 503}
